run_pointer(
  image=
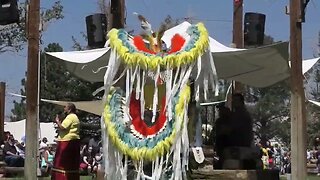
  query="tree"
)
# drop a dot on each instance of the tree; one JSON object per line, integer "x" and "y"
{"x": 313, "y": 111}
{"x": 270, "y": 109}
{"x": 56, "y": 83}
{"x": 13, "y": 37}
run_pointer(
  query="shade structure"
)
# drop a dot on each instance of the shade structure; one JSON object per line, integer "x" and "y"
{"x": 258, "y": 67}
{"x": 94, "y": 107}
{"x": 308, "y": 64}
{"x": 17, "y": 128}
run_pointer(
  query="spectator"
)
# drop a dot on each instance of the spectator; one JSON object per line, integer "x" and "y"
{"x": 47, "y": 159}
{"x": 44, "y": 142}
{"x": 277, "y": 157}
{"x": 12, "y": 158}
{"x": 94, "y": 143}
{"x": 223, "y": 133}
{"x": 89, "y": 161}
{"x": 98, "y": 158}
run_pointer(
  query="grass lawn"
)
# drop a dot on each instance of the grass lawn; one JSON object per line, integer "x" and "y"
{"x": 310, "y": 177}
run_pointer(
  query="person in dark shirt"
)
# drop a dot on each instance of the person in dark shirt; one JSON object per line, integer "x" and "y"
{"x": 242, "y": 125}
{"x": 223, "y": 133}
{"x": 12, "y": 158}
{"x": 242, "y": 129}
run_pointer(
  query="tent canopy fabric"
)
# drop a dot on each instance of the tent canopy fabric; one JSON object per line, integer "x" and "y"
{"x": 94, "y": 107}
{"x": 267, "y": 65}
{"x": 88, "y": 65}
{"x": 308, "y": 64}
{"x": 258, "y": 67}
{"x": 18, "y": 130}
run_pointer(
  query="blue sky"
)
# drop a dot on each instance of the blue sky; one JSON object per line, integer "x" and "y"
{"x": 216, "y": 15}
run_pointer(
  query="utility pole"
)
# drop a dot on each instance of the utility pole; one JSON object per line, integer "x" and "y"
{"x": 116, "y": 19}
{"x": 298, "y": 114}
{"x": 117, "y": 14}
{"x": 31, "y": 161}
{"x": 2, "y": 109}
{"x": 238, "y": 33}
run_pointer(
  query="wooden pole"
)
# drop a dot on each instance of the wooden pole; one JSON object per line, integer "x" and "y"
{"x": 298, "y": 114}
{"x": 117, "y": 13}
{"x": 2, "y": 109}
{"x": 116, "y": 19}
{"x": 237, "y": 34}
{"x": 31, "y": 161}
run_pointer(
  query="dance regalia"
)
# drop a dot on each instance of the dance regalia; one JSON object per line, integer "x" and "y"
{"x": 145, "y": 122}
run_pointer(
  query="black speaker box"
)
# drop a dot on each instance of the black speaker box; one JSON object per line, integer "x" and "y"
{"x": 9, "y": 12}
{"x": 254, "y": 24}
{"x": 96, "y": 30}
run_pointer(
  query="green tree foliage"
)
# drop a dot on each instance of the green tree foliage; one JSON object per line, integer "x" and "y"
{"x": 270, "y": 111}
{"x": 13, "y": 37}
{"x": 57, "y": 84}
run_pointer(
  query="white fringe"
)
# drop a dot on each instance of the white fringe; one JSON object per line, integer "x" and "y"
{"x": 155, "y": 95}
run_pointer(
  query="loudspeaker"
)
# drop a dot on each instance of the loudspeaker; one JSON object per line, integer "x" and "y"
{"x": 254, "y": 28}
{"x": 96, "y": 30}
{"x": 9, "y": 12}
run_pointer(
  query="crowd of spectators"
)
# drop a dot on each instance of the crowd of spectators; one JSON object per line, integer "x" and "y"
{"x": 90, "y": 152}
{"x": 275, "y": 157}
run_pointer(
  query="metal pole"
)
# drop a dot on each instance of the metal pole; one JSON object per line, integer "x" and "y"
{"x": 31, "y": 161}
{"x": 2, "y": 109}
{"x": 298, "y": 114}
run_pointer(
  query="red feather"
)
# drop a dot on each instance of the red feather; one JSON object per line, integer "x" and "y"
{"x": 177, "y": 42}
{"x": 140, "y": 45}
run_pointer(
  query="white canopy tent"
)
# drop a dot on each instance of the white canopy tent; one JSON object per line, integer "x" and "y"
{"x": 18, "y": 130}
{"x": 258, "y": 67}
{"x": 96, "y": 106}
{"x": 308, "y": 64}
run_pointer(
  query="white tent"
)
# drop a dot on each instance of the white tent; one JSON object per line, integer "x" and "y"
{"x": 259, "y": 67}
{"x": 18, "y": 130}
{"x": 94, "y": 107}
{"x": 308, "y": 64}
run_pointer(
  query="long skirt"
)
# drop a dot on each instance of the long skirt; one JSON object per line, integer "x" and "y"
{"x": 66, "y": 161}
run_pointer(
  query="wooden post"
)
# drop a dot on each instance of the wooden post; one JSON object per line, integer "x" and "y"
{"x": 116, "y": 19}
{"x": 31, "y": 161}
{"x": 237, "y": 34}
{"x": 298, "y": 114}
{"x": 117, "y": 13}
{"x": 2, "y": 109}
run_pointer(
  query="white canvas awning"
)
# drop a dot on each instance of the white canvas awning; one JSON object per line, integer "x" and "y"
{"x": 308, "y": 64}
{"x": 94, "y": 107}
{"x": 258, "y": 67}
{"x": 18, "y": 130}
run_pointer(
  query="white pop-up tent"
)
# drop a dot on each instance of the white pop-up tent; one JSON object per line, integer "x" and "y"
{"x": 18, "y": 130}
{"x": 258, "y": 67}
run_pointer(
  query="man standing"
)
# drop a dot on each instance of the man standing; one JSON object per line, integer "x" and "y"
{"x": 67, "y": 157}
